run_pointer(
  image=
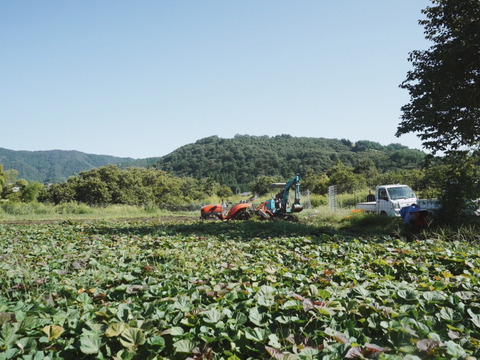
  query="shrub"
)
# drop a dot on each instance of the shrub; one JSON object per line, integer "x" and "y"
{"x": 318, "y": 200}
{"x": 74, "y": 208}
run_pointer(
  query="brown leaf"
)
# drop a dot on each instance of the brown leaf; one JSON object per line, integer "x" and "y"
{"x": 375, "y": 348}
{"x": 428, "y": 345}
{"x": 354, "y": 352}
{"x": 7, "y": 317}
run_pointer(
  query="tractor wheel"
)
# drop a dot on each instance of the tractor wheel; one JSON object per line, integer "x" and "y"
{"x": 242, "y": 215}
{"x": 210, "y": 217}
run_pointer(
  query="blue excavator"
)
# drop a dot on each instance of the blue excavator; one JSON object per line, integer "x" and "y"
{"x": 278, "y": 207}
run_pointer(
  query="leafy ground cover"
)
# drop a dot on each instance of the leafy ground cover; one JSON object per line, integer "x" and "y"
{"x": 199, "y": 290}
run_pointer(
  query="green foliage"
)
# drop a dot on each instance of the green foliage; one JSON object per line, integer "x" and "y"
{"x": 261, "y": 185}
{"x": 318, "y": 200}
{"x": 461, "y": 185}
{"x": 132, "y": 186}
{"x": 224, "y": 191}
{"x": 19, "y": 190}
{"x": 18, "y": 209}
{"x": 344, "y": 177}
{"x": 316, "y": 183}
{"x": 32, "y": 191}
{"x": 255, "y": 290}
{"x": 3, "y": 179}
{"x": 444, "y": 86}
{"x": 240, "y": 161}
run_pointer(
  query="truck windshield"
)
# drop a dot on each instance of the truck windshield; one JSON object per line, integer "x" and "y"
{"x": 401, "y": 192}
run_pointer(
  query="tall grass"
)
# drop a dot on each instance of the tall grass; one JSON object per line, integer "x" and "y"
{"x": 39, "y": 211}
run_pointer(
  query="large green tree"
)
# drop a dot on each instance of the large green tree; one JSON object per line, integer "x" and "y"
{"x": 444, "y": 85}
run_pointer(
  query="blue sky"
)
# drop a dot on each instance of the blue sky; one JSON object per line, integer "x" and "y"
{"x": 142, "y": 78}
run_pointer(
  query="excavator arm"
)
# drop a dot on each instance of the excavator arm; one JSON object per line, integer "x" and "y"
{"x": 284, "y": 194}
{"x": 296, "y": 207}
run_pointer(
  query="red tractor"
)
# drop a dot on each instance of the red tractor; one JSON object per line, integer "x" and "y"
{"x": 241, "y": 211}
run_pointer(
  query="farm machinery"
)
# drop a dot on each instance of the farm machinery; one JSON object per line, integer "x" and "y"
{"x": 276, "y": 208}
{"x": 240, "y": 211}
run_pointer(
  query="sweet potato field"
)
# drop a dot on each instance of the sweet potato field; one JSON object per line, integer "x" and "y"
{"x": 155, "y": 290}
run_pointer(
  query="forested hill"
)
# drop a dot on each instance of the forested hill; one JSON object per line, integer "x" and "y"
{"x": 53, "y": 165}
{"x": 236, "y": 162}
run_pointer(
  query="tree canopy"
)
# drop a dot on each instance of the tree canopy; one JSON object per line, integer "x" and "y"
{"x": 444, "y": 85}
{"x": 239, "y": 161}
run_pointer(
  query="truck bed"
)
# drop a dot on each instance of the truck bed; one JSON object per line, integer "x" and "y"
{"x": 370, "y": 206}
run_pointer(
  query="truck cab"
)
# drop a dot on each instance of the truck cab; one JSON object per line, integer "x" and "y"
{"x": 389, "y": 200}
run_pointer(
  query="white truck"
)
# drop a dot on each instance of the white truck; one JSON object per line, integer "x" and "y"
{"x": 389, "y": 199}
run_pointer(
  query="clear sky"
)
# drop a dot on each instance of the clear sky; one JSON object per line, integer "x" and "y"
{"x": 142, "y": 78}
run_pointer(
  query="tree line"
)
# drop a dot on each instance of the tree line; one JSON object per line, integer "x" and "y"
{"x": 110, "y": 184}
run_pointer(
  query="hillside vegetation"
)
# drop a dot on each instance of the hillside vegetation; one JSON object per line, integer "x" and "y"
{"x": 53, "y": 165}
{"x": 233, "y": 162}
{"x": 237, "y": 162}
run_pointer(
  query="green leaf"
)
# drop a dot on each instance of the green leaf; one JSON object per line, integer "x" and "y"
{"x": 184, "y": 346}
{"x": 361, "y": 291}
{"x": 455, "y": 350}
{"x": 183, "y": 304}
{"x": 256, "y": 334}
{"x": 84, "y": 299}
{"x": 434, "y": 296}
{"x": 132, "y": 338}
{"x": 7, "y": 336}
{"x": 474, "y": 318}
{"x": 53, "y": 331}
{"x": 9, "y": 354}
{"x": 309, "y": 353}
{"x": 313, "y": 290}
{"x": 233, "y": 357}
{"x": 274, "y": 341}
{"x": 212, "y": 316}
{"x": 176, "y": 331}
{"x": 292, "y": 304}
{"x": 115, "y": 329}
{"x": 90, "y": 344}
{"x": 26, "y": 344}
{"x": 407, "y": 294}
{"x": 256, "y": 317}
{"x": 241, "y": 318}
{"x": 125, "y": 355}
{"x": 266, "y": 295}
{"x": 324, "y": 294}
{"x": 157, "y": 341}
{"x": 123, "y": 313}
{"x": 449, "y": 314}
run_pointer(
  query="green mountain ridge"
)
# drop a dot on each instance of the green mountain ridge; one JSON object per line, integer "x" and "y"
{"x": 53, "y": 165}
{"x": 238, "y": 161}
{"x": 234, "y": 161}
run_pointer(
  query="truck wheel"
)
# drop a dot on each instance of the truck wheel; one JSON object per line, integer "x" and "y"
{"x": 383, "y": 213}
